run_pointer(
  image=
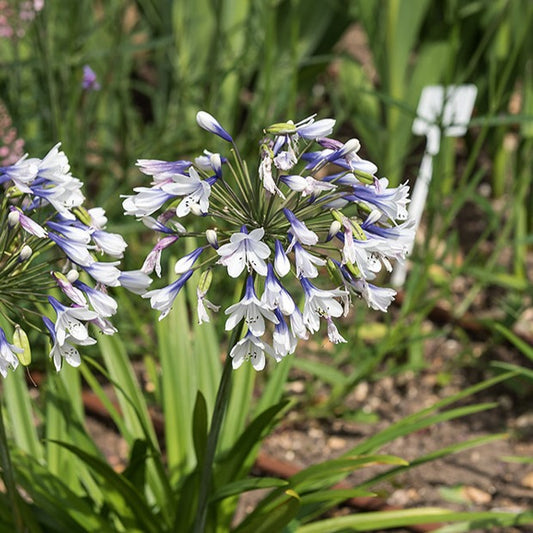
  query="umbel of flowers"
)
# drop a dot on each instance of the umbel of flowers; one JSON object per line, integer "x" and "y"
{"x": 310, "y": 210}
{"x": 48, "y": 241}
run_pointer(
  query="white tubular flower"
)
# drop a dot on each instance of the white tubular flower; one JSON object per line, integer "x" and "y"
{"x": 297, "y": 325}
{"x": 145, "y": 202}
{"x": 65, "y": 350}
{"x": 55, "y": 167}
{"x": 265, "y": 174}
{"x": 305, "y": 262}
{"x": 378, "y": 298}
{"x": 98, "y": 218}
{"x": 135, "y": 281}
{"x": 275, "y": 295}
{"x": 392, "y": 202}
{"x": 282, "y": 265}
{"x": 320, "y": 304}
{"x": 286, "y": 160}
{"x": 16, "y": 216}
{"x": 284, "y": 341}
{"x": 252, "y": 349}
{"x": 252, "y": 310}
{"x": 77, "y": 234}
{"x": 22, "y": 173}
{"x": 104, "y": 325}
{"x": 300, "y": 231}
{"x": 153, "y": 259}
{"x": 69, "y": 321}
{"x": 75, "y": 294}
{"x": 187, "y": 261}
{"x": 105, "y": 273}
{"x": 77, "y": 252}
{"x": 195, "y": 190}
{"x": 333, "y": 333}
{"x": 311, "y": 129}
{"x": 308, "y": 186}
{"x": 112, "y": 244}
{"x": 203, "y": 305}
{"x": 245, "y": 250}
{"x": 163, "y": 299}
{"x": 101, "y": 302}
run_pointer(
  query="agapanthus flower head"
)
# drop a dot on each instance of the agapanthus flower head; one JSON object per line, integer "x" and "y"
{"x": 295, "y": 223}
{"x": 47, "y": 240}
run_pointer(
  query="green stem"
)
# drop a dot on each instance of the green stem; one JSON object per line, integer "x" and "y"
{"x": 8, "y": 477}
{"x": 221, "y": 403}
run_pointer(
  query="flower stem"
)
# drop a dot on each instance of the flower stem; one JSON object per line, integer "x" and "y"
{"x": 219, "y": 410}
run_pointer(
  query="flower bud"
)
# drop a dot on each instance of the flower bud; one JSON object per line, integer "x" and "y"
{"x": 211, "y": 236}
{"x": 282, "y": 128}
{"x": 334, "y": 228}
{"x": 25, "y": 252}
{"x": 13, "y": 218}
{"x": 205, "y": 281}
{"x": 83, "y": 215}
{"x": 195, "y": 210}
{"x": 364, "y": 177}
{"x": 334, "y": 272}
{"x": 72, "y": 275}
{"x": 211, "y": 124}
{"x": 357, "y": 231}
{"x": 20, "y": 340}
{"x": 354, "y": 270}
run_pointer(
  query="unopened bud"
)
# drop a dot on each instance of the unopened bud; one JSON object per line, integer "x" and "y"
{"x": 282, "y": 128}
{"x": 205, "y": 281}
{"x": 83, "y": 215}
{"x": 334, "y": 273}
{"x": 211, "y": 236}
{"x": 354, "y": 271}
{"x": 211, "y": 124}
{"x": 364, "y": 177}
{"x": 195, "y": 210}
{"x": 25, "y": 252}
{"x": 334, "y": 228}
{"x": 20, "y": 340}
{"x": 352, "y": 145}
{"x": 337, "y": 215}
{"x": 72, "y": 275}
{"x": 357, "y": 231}
{"x": 13, "y": 218}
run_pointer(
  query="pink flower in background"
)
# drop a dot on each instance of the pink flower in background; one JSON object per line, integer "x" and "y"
{"x": 11, "y": 146}
{"x": 15, "y": 16}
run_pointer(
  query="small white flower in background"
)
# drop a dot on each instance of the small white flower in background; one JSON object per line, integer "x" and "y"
{"x": 296, "y": 212}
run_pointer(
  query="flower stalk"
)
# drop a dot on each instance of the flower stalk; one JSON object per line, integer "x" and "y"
{"x": 219, "y": 410}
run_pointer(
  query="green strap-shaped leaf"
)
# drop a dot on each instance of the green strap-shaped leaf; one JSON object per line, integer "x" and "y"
{"x": 120, "y": 492}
